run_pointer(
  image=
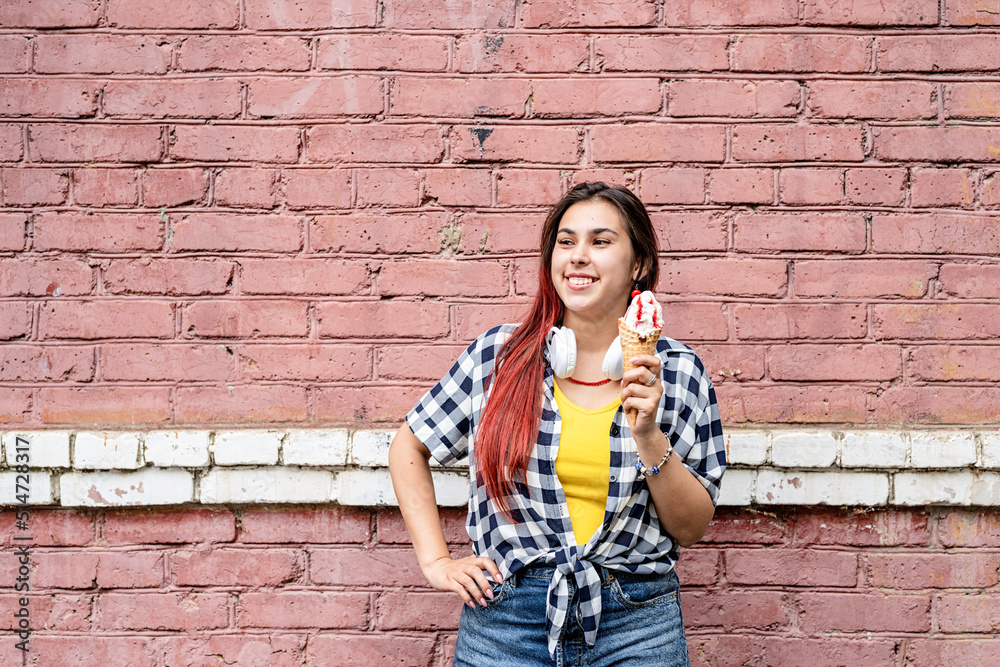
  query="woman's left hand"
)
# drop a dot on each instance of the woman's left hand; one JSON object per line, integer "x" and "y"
{"x": 641, "y": 391}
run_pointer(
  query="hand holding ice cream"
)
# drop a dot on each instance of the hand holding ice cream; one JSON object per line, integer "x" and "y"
{"x": 639, "y": 331}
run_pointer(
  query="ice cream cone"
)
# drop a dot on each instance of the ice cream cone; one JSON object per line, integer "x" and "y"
{"x": 633, "y": 344}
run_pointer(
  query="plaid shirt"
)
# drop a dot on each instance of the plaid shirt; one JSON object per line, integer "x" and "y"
{"x": 630, "y": 538}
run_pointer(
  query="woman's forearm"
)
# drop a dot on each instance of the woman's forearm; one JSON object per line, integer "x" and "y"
{"x": 682, "y": 504}
{"x": 411, "y": 479}
{"x": 414, "y": 487}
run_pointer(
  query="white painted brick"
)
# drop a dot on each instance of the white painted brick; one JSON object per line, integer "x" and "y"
{"x": 39, "y": 488}
{"x": 46, "y": 449}
{"x": 267, "y": 485}
{"x": 737, "y": 488}
{"x": 747, "y": 447}
{"x": 177, "y": 448}
{"x": 451, "y": 488}
{"x": 985, "y": 489}
{"x": 991, "y": 450}
{"x": 873, "y": 449}
{"x": 803, "y": 449}
{"x": 316, "y": 447}
{"x": 775, "y": 487}
{"x": 106, "y": 450}
{"x": 365, "y": 487}
{"x": 942, "y": 449}
{"x": 957, "y": 487}
{"x": 374, "y": 487}
{"x": 371, "y": 448}
{"x": 925, "y": 488}
{"x": 149, "y": 486}
{"x": 249, "y": 447}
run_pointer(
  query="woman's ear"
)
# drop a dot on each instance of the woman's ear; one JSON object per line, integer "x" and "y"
{"x": 637, "y": 273}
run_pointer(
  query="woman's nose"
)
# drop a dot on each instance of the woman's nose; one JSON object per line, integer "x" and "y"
{"x": 579, "y": 255}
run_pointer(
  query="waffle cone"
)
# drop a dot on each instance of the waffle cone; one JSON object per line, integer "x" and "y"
{"x": 634, "y": 344}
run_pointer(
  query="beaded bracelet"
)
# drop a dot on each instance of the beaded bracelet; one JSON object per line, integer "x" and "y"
{"x": 654, "y": 470}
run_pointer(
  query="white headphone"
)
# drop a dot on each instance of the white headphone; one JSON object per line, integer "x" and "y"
{"x": 560, "y": 343}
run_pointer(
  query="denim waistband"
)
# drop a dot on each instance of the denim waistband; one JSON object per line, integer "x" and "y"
{"x": 546, "y": 570}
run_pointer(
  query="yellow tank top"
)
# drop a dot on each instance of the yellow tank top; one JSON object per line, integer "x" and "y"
{"x": 583, "y": 462}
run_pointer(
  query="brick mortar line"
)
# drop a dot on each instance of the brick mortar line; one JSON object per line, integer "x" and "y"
{"x": 514, "y": 210}
{"x": 638, "y": 31}
{"x": 741, "y": 207}
{"x": 734, "y": 209}
{"x": 970, "y": 258}
{"x": 512, "y": 121}
{"x": 360, "y": 257}
{"x": 514, "y": 300}
{"x": 885, "y": 76}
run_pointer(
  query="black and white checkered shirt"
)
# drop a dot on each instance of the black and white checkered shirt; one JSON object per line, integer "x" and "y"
{"x": 446, "y": 421}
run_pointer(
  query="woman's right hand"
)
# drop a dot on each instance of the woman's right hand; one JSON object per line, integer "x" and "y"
{"x": 464, "y": 577}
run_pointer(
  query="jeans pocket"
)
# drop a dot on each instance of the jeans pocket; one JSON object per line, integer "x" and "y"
{"x": 500, "y": 592}
{"x": 636, "y": 591}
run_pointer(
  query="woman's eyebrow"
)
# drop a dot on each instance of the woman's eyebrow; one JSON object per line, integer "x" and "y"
{"x": 592, "y": 232}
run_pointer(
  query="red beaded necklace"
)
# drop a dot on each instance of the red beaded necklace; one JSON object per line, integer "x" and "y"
{"x": 590, "y": 384}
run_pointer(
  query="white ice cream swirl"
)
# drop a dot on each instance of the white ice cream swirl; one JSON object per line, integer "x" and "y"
{"x": 645, "y": 314}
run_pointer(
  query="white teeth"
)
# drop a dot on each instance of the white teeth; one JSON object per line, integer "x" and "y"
{"x": 580, "y": 281}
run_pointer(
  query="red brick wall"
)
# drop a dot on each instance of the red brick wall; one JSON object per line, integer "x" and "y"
{"x": 297, "y": 586}
{"x": 296, "y": 212}
{"x": 250, "y": 211}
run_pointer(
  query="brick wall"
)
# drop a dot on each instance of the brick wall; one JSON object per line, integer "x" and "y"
{"x": 291, "y": 215}
{"x": 295, "y": 586}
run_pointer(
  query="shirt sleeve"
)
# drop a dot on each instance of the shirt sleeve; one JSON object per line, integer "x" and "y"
{"x": 442, "y": 419}
{"x": 697, "y": 438}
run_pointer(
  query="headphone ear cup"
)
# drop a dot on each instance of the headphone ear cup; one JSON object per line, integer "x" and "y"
{"x": 561, "y": 345}
{"x": 614, "y": 363}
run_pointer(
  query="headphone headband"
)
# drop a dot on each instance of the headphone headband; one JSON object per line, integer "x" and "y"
{"x": 560, "y": 343}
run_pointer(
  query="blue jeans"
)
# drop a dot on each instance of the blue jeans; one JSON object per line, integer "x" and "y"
{"x": 641, "y": 624}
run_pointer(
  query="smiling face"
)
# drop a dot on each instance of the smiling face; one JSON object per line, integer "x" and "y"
{"x": 593, "y": 266}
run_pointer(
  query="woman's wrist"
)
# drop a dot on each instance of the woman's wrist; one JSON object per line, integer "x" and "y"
{"x": 653, "y": 454}
{"x": 648, "y": 470}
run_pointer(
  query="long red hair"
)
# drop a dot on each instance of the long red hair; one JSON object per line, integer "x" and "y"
{"x": 508, "y": 428}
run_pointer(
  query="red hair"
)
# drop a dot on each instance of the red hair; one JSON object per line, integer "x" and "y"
{"x": 508, "y": 428}
{"x": 507, "y": 436}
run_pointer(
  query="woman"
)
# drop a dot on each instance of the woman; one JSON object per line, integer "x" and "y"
{"x": 580, "y": 546}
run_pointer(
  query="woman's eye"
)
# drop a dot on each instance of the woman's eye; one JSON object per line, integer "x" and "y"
{"x": 602, "y": 242}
